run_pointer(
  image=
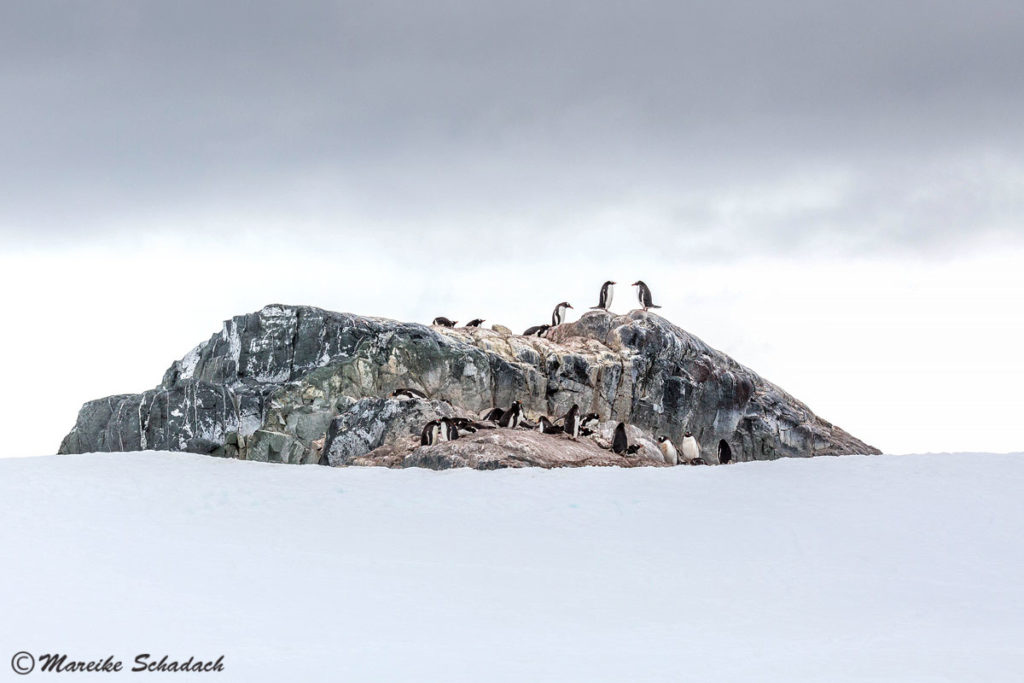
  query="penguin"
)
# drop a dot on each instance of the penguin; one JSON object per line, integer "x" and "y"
{"x": 512, "y": 416}
{"x": 724, "y": 452}
{"x": 572, "y": 422}
{"x": 464, "y": 424}
{"x": 431, "y": 433}
{"x": 406, "y": 392}
{"x": 536, "y": 331}
{"x": 668, "y": 450}
{"x": 475, "y": 322}
{"x": 545, "y": 427}
{"x": 620, "y": 442}
{"x": 632, "y": 450}
{"x": 604, "y": 302}
{"x": 493, "y": 415}
{"x": 691, "y": 449}
{"x": 449, "y": 431}
{"x": 644, "y": 294}
{"x": 558, "y": 315}
{"x": 585, "y": 431}
{"x": 442, "y": 321}
{"x": 588, "y": 418}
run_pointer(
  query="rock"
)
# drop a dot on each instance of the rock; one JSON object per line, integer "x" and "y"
{"x": 302, "y": 385}
{"x": 504, "y": 448}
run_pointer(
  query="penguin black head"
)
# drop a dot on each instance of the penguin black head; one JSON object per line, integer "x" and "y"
{"x": 566, "y": 304}
{"x": 662, "y": 439}
{"x": 611, "y": 282}
{"x": 688, "y": 434}
{"x": 638, "y": 282}
{"x": 475, "y": 322}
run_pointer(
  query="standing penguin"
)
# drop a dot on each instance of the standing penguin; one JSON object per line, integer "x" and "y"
{"x": 448, "y": 429}
{"x": 605, "y": 300}
{"x": 644, "y": 294}
{"x": 724, "y": 452}
{"x": 668, "y": 450}
{"x": 513, "y": 416}
{"x": 431, "y": 433}
{"x": 442, "y": 321}
{"x": 558, "y": 315}
{"x": 691, "y": 449}
{"x": 620, "y": 442}
{"x": 572, "y": 422}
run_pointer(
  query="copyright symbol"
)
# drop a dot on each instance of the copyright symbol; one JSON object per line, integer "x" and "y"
{"x": 23, "y": 663}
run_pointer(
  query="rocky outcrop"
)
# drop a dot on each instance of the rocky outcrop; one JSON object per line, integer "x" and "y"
{"x": 302, "y": 385}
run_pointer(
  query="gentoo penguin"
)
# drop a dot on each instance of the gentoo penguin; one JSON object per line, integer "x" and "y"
{"x": 475, "y": 322}
{"x": 431, "y": 433}
{"x": 449, "y": 431}
{"x": 558, "y": 315}
{"x": 536, "y": 330}
{"x": 406, "y": 392}
{"x": 493, "y": 415}
{"x": 442, "y": 321}
{"x": 724, "y": 452}
{"x": 644, "y": 294}
{"x": 512, "y": 416}
{"x": 691, "y": 449}
{"x": 587, "y": 419}
{"x": 604, "y": 302}
{"x": 572, "y": 422}
{"x": 544, "y": 426}
{"x": 668, "y": 450}
{"x": 620, "y": 442}
{"x": 632, "y": 450}
{"x": 464, "y": 424}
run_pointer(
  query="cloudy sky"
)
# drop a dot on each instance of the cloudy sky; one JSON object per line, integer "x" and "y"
{"x": 830, "y": 192}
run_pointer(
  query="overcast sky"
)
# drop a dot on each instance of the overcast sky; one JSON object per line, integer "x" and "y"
{"x": 833, "y": 193}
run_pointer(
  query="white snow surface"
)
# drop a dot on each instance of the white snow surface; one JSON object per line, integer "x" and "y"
{"x": 885, "y": 568}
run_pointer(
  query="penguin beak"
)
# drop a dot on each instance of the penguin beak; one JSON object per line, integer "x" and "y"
{"x": 635, "y": 283}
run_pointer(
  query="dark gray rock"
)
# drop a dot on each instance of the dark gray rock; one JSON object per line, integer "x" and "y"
{"x": 303, "y": 385}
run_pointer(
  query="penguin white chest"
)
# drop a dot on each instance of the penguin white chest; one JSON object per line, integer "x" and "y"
{"x": 691, "y": 449}
{"x": 669, "y": 452}
{"x": 611, "y": 295}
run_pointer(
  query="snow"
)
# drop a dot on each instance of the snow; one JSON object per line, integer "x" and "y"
{"x": 894, "y": 568}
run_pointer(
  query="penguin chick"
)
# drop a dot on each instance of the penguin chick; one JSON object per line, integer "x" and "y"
{"x": 441, "y": 321}
{"x": 632, "y": 449}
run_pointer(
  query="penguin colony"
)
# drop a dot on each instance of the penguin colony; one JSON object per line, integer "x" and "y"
{"x": 573, "y": 424}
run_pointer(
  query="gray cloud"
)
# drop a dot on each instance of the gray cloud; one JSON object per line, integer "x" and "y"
{"x": 862, "y": 126}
